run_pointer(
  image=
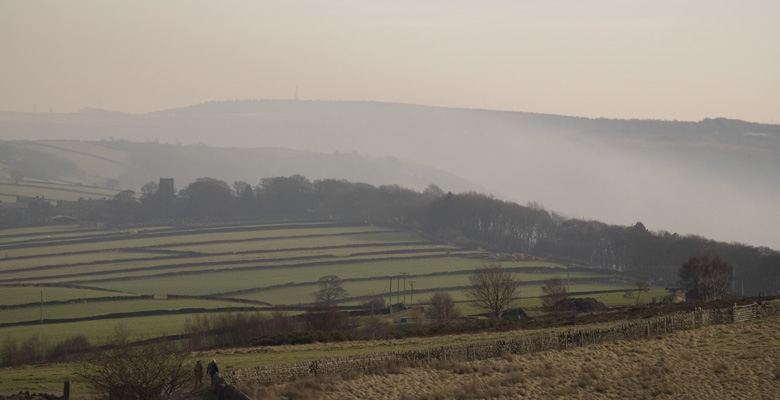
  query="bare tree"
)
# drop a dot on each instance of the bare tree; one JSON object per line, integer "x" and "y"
{"x": 634, "y": 294}
{"x": 330, "y": 289}
{"x": 442, "y": 308}
{"x": 149, "y": 372}
{"x": 706, "y": 278}
{"x": 238, "y": 188}
{"x": 493, "y": 289}
{"x": 554, "y": 293}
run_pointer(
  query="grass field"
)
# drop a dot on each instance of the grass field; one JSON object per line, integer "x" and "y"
{"x": 737, "y": 361}
{"x": 84, "y": 310}
{"x": 275, "y": 263}
{"x": 52, "y": 191}
{"x": 13, "y": 295}
{"x": 87, "y": 156}
{"x": 99, "y": 331}
{"x": 720, "y": 361}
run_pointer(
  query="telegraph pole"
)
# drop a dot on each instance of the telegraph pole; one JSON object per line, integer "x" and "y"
{"x": 390, "y": 301}
{"x": 403, "y": 275}
{"x": 398, "y": 289}
{"x": 411, "y": 283}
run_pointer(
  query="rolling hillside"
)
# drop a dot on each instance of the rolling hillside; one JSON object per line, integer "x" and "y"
{"x": 117, "y": 165}
{"x": 76, "y": 278}
{"x": 622, "y": 171}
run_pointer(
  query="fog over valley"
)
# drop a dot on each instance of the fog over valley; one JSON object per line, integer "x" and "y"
{"x": 609, "y": 110}
{"x": 715, "y": 178}
{"x": 299, "y": 190}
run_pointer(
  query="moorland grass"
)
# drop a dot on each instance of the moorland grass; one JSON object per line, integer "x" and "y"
{"x": 680, "y": 364}
{"x": 721, "y": 364}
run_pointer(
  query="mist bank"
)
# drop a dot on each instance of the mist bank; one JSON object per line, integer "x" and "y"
{"x": 130, "y": 165}
{"x": 715, "y": 177}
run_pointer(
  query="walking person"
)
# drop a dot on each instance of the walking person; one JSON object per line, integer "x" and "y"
{"x": 212, "y": 369}
{"x": 198, "y": 373}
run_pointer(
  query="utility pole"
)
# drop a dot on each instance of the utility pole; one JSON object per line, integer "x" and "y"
{"x": 41, "y": 306}
{"x": 398, "y": 290}
{"x": 390, "y": 301}
{"x": 403, "y": 274}
{"x": 411, "y": 283}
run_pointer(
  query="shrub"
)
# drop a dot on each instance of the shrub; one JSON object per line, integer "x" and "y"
{"x": 10, "y": 354}
{"x": 160, "y": 370}
{"x": 74, "y": 346}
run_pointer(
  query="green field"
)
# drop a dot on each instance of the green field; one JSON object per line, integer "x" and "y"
{"x": 93, "y": 279}
{"x": 84, "y": 310}
{"x": 99, "y": 331}
{"x": 276, "y": 264}
{"x": 13, "y": 295}
{"x": 52, "y": 191}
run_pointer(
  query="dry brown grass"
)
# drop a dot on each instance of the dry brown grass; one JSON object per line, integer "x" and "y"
{"x": 716, "y": 362}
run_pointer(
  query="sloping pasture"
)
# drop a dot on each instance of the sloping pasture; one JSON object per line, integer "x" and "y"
{"x": 91, "y": 309}
{"x": 276, "y": 264}
{"x": 98, "y": 331}
{"x": 52, "y": 191}
{"x": 88, "y": 156}
{"x": 17, "y": 295}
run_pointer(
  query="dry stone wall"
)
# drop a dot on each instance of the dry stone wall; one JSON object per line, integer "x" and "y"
{"x": 631, "y": 330}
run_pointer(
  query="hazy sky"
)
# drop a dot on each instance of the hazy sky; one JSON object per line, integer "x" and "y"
{"x": 684, "y": 60}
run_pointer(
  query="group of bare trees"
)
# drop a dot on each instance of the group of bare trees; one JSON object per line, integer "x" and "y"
{"x": 706, "y": 278}
{"x": 495, "y": 290}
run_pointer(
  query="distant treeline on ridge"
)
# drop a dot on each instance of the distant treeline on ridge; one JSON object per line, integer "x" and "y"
{"x": 467, "y": 219}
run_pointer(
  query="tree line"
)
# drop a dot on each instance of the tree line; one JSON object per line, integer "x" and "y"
{"x": 478, "y": 220}
{"x": 468, "y": 219}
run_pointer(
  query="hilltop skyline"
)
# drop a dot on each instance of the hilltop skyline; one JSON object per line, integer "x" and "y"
{"x": 645, "y": 60}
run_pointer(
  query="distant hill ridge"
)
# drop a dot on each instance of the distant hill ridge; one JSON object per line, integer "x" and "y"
{"x": 715, "y": 176}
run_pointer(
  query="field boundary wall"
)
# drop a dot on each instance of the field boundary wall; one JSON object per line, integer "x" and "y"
{"x": 630, "y": 330}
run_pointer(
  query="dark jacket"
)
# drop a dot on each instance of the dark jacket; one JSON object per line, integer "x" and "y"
{"x": 212, "y": 368}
